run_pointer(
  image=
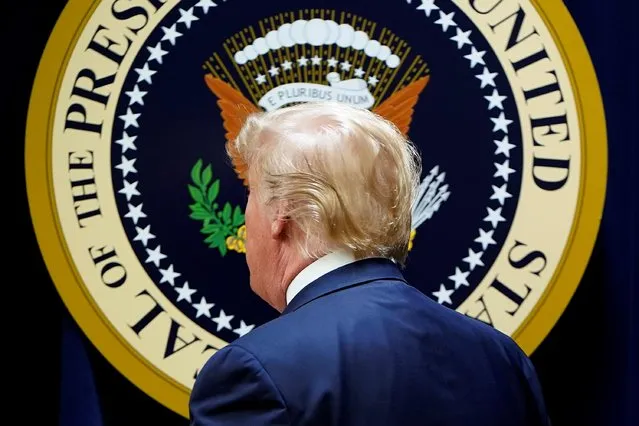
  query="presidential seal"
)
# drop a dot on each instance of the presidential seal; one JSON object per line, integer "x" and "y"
{"x": 140, "y": 216}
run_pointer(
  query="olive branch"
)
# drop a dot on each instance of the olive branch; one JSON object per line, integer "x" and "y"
{"x": 217, "y": 223}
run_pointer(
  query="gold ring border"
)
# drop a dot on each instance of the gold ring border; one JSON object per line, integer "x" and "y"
{"x": 155, "y": 383}
{"x": 594, "y": 167}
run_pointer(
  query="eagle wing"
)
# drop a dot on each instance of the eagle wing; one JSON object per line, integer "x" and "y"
{"x": 235, "y": 108}
{"x": 399, "y": 107}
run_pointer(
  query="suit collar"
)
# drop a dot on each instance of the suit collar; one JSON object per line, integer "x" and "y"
{"x": 353, "y": 274}
{"x": 317, "y": 269}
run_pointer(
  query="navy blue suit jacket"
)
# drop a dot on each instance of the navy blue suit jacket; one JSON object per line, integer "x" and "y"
{"x": 359, "y": 346}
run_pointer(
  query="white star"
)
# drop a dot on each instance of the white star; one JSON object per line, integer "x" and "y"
{"x": 130, "y": 189}
{"x": 135, "y": 213}
{"x": 316, "y": 60}
{"x": 171, "y": 34}
{"x": 287, "y": 65}
{"x": 503, "y": 170}
{"x": 143, "y": 235}
{"x": 373, "y": 80}
{"x": 184, "y": 292}
{"x": 130, "y": 119}
{"x": 205, "y": 4}
{"x": 485, "y": 238}
{"x": 243, "y": 329}
{"x": 274, "y": 71}
{"x": 136, "y": 96}
{"x": 261, "y": 79}
{"x": 169, "y": 275}
{"x": 332, "y": 63}
{"x": 156, "y": 53}
{"x": 495, "y": 100}
{"x": 187, "y": 17}
{"x": 473, "y": 259}
{"x": 359, "y": 73}
{"x": 487, "y": 78}
{"x": 223, "y": 321}
{"x": 504, "y": 146}
{"x": 155, "y": 256}
{"x": 462, "y": 38}
{"x": 443, "y": 295}
{"x": 428, "y": 6}
{"x": 127, "y": 142}
{"x": 145, "y": 73}
{"x": 446, "y": 21}
{"x": 501, "y": 123}
{"x": 459, "y": 278}
{"x": 499, "y": 193}
{"x": 494, "y": 216}
{"x": 345, "y": 66}
{"x": 475, "y": 57}
{"x": 126, "y": 166}
{"x": 203, "y": 308}
{"x": 303, "y": 61}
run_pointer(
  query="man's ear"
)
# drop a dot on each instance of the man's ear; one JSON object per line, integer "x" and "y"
{"x": 279, "y": 223}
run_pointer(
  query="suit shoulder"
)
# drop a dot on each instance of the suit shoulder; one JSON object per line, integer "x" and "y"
{"x": 456, "y": 324}
{"x": 279, "y": 329}
{"x": 228, "y": 386}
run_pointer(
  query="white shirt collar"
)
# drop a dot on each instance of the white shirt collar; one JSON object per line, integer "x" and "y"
{"x": 321, "y": 266}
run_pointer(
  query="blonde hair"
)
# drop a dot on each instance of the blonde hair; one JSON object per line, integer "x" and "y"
{"x": 344, "y": 176}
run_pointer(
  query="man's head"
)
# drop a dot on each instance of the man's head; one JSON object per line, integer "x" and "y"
{"x": 323, "y": 177}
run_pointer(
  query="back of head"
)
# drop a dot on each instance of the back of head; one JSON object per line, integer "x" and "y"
{"x": 344, "y": 177}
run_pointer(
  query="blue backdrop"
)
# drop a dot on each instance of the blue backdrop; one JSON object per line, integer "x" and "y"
{"x": 588, "y": 363}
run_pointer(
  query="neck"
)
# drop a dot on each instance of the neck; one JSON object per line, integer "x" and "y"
{"x": 289, "y": 265}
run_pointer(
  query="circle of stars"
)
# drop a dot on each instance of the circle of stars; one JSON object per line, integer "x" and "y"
{"x": 448, "y": 26}
{"x": 495, "y": 105}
